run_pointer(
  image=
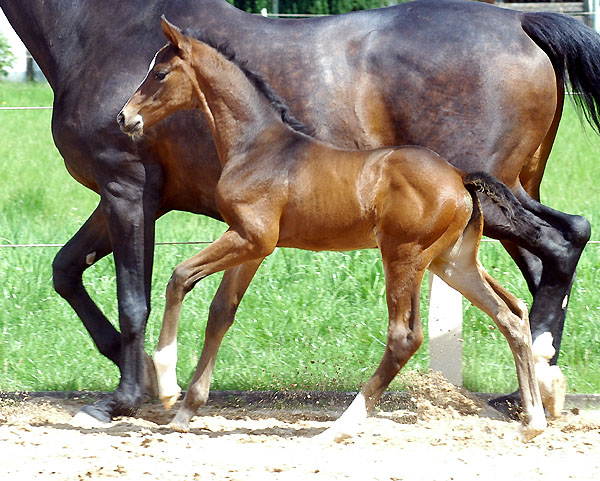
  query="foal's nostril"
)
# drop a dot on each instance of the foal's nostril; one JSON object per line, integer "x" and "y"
{"x": 121, "y": 119}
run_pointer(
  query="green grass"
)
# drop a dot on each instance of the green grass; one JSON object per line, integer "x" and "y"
{"x": 309, "y": 320}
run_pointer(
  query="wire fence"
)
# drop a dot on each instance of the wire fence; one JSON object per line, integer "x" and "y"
{"x": 199, "y": 242}
{"x": 178, "y": 243}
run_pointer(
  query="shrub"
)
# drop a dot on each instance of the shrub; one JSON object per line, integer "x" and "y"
{"x": 6, "y": 56}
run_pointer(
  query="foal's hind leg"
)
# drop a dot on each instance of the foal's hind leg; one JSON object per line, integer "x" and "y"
{"x": 548, "y": 261}
{"x": 404, "y": 273}
{"x": 460, "y": 268}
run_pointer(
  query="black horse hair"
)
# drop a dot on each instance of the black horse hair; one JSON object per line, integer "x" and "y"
{"x": 574, "y": 51}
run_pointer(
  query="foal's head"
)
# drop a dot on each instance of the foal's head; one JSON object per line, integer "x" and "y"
{"x": 168, "y": 86}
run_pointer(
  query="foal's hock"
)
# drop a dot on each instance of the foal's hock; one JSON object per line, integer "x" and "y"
{"x": 281, "y": 187}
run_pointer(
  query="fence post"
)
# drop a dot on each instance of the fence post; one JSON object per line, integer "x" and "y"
{"x": 591, "y": 7}
{"x": 445, "y": 330}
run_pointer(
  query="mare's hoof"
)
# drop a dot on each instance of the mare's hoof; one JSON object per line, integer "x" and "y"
{"x": 91, "y": 416}
{"x": 101, "y": 413}
{"x": 509, "y": 405}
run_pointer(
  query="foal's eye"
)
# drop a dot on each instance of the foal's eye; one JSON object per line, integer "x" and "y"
{"x": 160, "y": 76}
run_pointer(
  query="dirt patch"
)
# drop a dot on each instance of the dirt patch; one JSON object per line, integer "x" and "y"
{"x": 431, "y": 432}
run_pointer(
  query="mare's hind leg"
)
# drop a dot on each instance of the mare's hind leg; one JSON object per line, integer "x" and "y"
{"x": 460, "y": 268}
{"x": 90, "y": 244}
{"x": 548, "y": 261}
{"x": 548, "y": 264}
{"x": 403, "y": 273}
{"x": 221, "y": 316}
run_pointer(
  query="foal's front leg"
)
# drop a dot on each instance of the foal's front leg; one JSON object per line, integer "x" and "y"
{"x": 232, "y": 249}
{"x": 221, "y": 316}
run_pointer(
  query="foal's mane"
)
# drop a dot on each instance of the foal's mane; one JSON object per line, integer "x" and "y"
{"x": 255, "y": 78}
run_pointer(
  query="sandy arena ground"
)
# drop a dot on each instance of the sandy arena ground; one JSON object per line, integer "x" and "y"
{"x": 446, "y": 436}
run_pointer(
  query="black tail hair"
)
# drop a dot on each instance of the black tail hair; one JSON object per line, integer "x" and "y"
{"x": 574, "y": 50}
{"x": 503, "y": 197}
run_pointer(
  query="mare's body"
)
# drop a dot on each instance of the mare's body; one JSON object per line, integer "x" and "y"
{"x": 281, "y": 187}
{"x": 462, "y": 78}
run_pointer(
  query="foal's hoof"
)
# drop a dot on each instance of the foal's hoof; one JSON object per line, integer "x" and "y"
{"x": 169, "y": 401}
{"x": 330, "y": 437}
{"x": 509, "y": 405}
{"x": 180, "y": 428}
{"x": 181, "y": 421}
{"x": 533, "y": 429}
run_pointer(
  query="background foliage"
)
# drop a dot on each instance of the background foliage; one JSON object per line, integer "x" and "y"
{"x": 6, "y": 56}
{"x": 315, "y": 7}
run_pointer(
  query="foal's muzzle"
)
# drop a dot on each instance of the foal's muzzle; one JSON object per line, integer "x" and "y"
{"x": 133, "y": 127}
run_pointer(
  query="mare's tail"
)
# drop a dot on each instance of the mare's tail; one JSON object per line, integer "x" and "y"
{"x": 515, "y": 214}
{"x": 574, "y": 50}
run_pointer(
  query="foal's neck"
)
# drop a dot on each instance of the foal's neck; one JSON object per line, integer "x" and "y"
{"x": 236, "y": 110}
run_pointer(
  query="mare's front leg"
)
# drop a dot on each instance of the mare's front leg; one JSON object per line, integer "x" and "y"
{"x": 220, "y": 318}
{"x": 90, "y": 244}
{"x": 130, "y": 198}
{"x": 403, "y": 274}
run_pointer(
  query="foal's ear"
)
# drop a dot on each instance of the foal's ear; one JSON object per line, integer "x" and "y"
{"x": 174, "y": 35}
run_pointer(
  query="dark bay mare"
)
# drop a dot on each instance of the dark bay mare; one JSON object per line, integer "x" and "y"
{"x": 276, "y": 189}
{"x": 480, "y": 85}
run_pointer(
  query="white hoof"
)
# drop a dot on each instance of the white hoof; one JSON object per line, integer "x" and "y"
{"x": 533, "y": 429}
{"x": 334, "y": 435}
{"x": 168, "y": 401}
{"x": 86, "y": 421}
{"x": 181, "y": 421}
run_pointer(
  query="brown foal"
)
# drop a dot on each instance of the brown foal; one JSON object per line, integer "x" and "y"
{"x": 281, "y": 187}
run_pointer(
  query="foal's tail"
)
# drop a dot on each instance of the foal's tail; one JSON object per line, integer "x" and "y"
{"x": 516, "y": 215}
{"x": 574, "y": 50}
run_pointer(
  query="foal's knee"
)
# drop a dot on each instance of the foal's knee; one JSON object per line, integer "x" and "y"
{"x": 180, "y": 283}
